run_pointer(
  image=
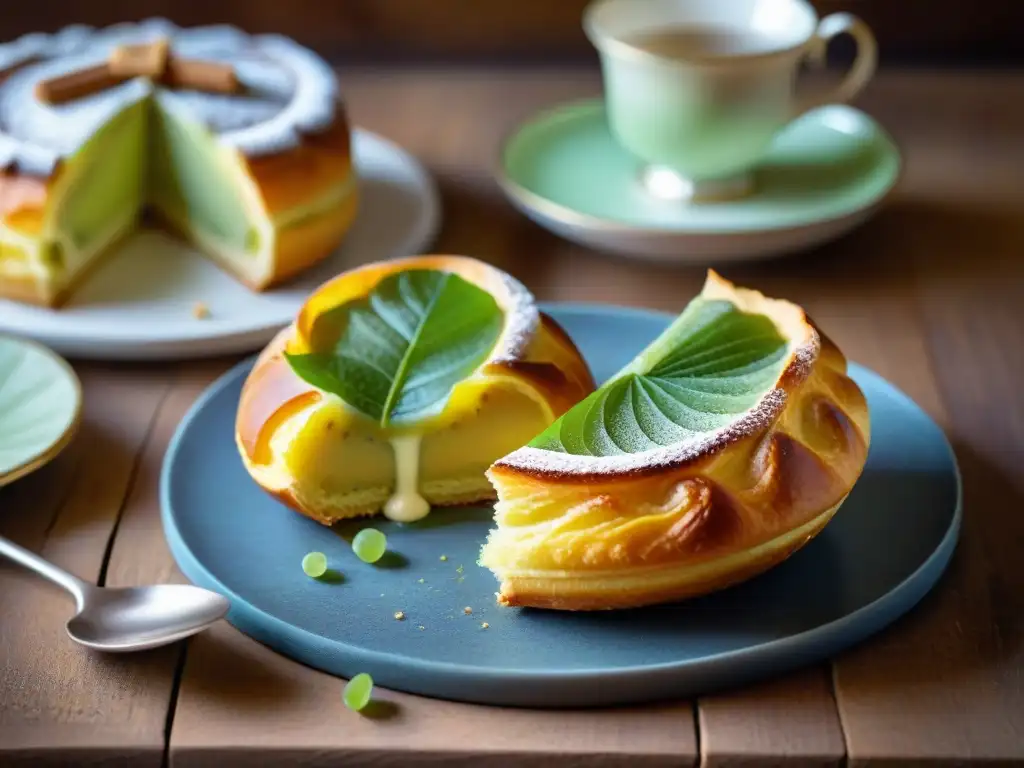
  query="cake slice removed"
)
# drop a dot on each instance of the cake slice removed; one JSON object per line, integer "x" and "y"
{"x": 722, "y": 448}
{"x": 398, "y": 385}
{"x": 264, "y": 219}
{"x": 53, "y": 231}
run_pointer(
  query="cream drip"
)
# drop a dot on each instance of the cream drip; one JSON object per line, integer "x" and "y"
{"x": 406, "y": 505}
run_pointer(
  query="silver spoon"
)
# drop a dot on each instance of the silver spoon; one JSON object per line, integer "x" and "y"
{"x": 127, "y": 619}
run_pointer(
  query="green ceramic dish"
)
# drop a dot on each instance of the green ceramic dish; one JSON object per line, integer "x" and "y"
{"x": 824, "y": 174}
{"x": 40, "y": 405}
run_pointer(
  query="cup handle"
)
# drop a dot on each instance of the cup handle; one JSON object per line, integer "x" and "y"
{"x": 863, "y": 66}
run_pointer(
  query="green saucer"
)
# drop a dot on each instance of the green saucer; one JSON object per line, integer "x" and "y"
{"x": 824, "y": 174}
{"x": 40, "y": 404}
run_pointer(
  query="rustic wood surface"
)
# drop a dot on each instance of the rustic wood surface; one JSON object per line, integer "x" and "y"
{"x": 930, "y": 293}
{"x": 937, "y": 31}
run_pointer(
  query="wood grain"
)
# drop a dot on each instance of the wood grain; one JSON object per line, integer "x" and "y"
{"x": 241, "y": 703}
{"x": 789, "y": 721}
{"x": 59, "y": 703}
{"x": 945, "y": 685}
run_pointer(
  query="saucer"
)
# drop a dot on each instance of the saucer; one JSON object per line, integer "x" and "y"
{"x": 824, "y": 174}
{"x": 40, "y": 405}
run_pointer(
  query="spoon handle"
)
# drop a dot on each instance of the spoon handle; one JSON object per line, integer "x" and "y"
{"x": 44, "y": 568}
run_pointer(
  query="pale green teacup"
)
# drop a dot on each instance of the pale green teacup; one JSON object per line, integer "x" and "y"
{"x": 698, "y": 89}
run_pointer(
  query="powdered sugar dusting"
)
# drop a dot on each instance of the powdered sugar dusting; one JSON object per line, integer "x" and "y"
{"x": 543, "y": 462}
{"x": 290, "y": 90}
{"x": 523, "y": 318}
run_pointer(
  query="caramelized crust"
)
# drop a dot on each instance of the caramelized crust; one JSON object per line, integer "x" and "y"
{"x": 607, "y": 539}
{"x": 298, "y": 248}
{"x": 22, "y": 193}
{"x": 308, "y": 172}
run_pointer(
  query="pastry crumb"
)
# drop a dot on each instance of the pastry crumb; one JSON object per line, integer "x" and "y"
{"x": 421, "y": 627}
{"x": 200, "y": 311}
{"x": 485, "y": 625}
{"x": 444, "y": 558}
{"x": 421, "y": 581}
{"x": 400, "y": 615}
{"x": 467, "y": 610}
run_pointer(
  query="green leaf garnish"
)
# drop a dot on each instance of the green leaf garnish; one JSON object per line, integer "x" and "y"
{"x": 709, "y": 367}
{"x": 396, "y": 354}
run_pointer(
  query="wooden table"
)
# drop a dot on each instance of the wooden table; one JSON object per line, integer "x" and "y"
{"x": 930, "y": 293}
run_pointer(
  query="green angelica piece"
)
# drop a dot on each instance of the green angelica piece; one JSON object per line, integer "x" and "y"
{"x": 357, "y": 692}
{"x": 369, "y": 545}
{"x": 314, "y": 564}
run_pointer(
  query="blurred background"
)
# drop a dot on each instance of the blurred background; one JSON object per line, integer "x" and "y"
{"x": 935, "y": 32}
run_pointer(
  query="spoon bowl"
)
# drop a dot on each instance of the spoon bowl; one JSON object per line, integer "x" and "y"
{"x": 138, "y": 618}
{"x": 121, "y": 619}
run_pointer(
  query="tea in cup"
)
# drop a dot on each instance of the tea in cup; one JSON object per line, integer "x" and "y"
{"x": 697, "y": 90}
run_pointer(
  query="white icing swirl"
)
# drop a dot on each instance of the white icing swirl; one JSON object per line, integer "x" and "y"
{"x": 290, "y": 90}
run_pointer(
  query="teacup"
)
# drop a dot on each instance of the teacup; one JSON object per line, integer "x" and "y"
{"x": 698, "y": 89}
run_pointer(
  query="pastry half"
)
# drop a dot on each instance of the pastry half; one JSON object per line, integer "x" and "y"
{"x": 724, "y": 447}
{"x": 258, "y": 175}
{"x": 399, "y": 384}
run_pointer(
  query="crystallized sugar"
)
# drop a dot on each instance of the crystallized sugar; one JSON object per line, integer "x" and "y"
{"x": 290, "y": 90}
{"x": 536, "y": 460}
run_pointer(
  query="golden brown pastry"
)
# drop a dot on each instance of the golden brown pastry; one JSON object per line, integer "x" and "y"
{"x": 239, "y": 144}
{"x": 340, "y": 448}
{"x": 722, "y": 449}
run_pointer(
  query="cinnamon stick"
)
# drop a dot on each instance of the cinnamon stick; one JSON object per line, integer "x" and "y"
{"x": 208, "y": 76}
{"x": 146, "y": 60}
{"x": 75, "y": 85}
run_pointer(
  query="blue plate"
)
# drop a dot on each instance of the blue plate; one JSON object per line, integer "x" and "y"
{"x": 882, "y": 552}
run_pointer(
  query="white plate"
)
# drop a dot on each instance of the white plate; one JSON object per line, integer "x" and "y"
{"x": 138, "y": 304}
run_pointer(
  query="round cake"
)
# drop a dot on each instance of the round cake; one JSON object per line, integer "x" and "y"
{"x": 237, "y": 143}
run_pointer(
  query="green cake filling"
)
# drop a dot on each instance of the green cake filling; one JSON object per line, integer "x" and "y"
{"x": 147, "y": 156}
{"x": 106, "y": 186}
{"x": 150, "y": 156}
{"x": 189, "y": 183}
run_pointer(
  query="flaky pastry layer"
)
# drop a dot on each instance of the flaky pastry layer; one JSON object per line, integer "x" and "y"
{"x": 686, "y": 523}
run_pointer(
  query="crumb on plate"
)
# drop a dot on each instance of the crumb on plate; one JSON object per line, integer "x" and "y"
{"x": 400, "y": 615}
{"x": 200, "y": 311}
